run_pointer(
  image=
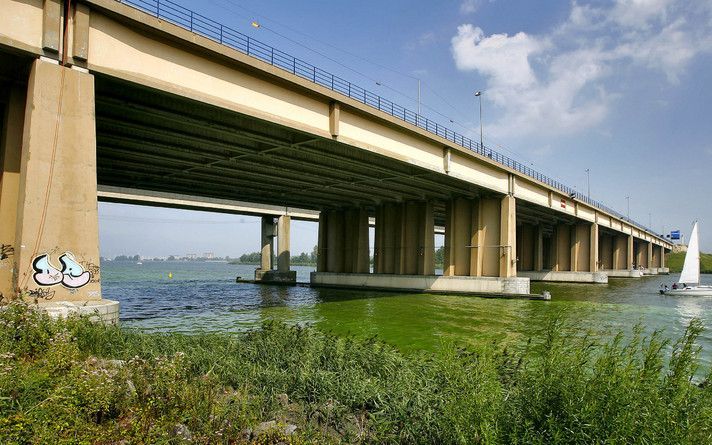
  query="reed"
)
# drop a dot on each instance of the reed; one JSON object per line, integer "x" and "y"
{"x": 74, "y": 381}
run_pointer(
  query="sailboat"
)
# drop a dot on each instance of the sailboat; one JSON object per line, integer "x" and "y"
{"x": 689, "y": 282}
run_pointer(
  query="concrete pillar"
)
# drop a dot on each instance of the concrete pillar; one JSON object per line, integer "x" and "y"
{"x": 606, "y": 252}
{"x": 649, "y": 255}
{"x": 343, "y": 241}
{"x": 508, "y": 238}
{"x": 581, "y": 248}
{"x": 630, "y": 250}
{"x": 662, "y": 256}
{"x": 10, "y": 156}
{"x": 655, "y": 261}
{"x": 335, "y": 241}
{"x": 321, "y": 242}
{"x": 461, "y": 252}
{"x": 526, "y": 247}
{"x": 267, "y": 237}
{"x": 490, "y": 237}
{"x": 418, "y": 239}
{"x": 562, "y": 248}
{"x": 283, "y": 241}
{"x": 57, "y": 225}
{"x": 388, "y": 238}
{"x": 593, "y": 248}
{"x": 539, "y": 248}
{"x": 356, "y": 250}
{"x": 620, "y": 252}
{"x": 641, "y": 254}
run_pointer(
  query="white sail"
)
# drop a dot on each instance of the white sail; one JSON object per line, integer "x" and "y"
{"x": 691, "y": 269}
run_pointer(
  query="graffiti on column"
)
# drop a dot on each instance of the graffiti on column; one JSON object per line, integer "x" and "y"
{"x": 72, "y": 274}
{"x": 6, "y": 251}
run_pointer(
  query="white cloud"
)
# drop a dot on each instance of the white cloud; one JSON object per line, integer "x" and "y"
{"x": 639, "y": 13}
{"x": 556, "y": 83}
{"x": 469, "y": 6}
{"x": 504, "y": 58}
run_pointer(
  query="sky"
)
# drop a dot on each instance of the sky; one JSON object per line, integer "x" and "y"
{"x": 619, "y": 87}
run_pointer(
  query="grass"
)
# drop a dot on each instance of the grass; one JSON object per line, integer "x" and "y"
{"x": 78, "y": 382}
{"x": 675, "y": 260}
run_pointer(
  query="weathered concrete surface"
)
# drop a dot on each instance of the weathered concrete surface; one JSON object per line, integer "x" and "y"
{"x": 276, "y": 276}
{"x": 429, "y": 283}
{"x": 650, "y": 271}
{"x": 106, "y": 311}
{"x": 631, "y": 273}
{"x": 57, "y": 219}
{"x": 566, "y": 276}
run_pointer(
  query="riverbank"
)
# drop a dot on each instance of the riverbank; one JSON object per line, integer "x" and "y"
{"x": 675, "y": 260}
{"x": 75, "y": 381}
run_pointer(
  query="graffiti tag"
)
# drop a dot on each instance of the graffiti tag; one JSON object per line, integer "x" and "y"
{"x": 41, "y": 294}
{"x": 6, "y": 251}
{"x": 72, "y": 274}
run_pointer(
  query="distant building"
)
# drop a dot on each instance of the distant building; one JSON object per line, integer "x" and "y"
{"x": 209, "y": 255}
{"x": 191, "y": 256}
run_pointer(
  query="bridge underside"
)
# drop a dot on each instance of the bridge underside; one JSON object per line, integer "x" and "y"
{"x": 65, "y": 131}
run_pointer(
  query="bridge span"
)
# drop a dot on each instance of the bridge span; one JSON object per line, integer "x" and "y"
{"x": 100, "y": 96}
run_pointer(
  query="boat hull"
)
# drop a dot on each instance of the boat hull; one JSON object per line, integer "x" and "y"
{"x": 696, "y": 291}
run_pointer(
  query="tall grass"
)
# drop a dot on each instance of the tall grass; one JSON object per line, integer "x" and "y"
{"x": 77, "y": 382}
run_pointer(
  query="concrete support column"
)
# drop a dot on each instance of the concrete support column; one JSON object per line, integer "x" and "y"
{"x": 343, "y": 241}
{"x": 581, "y": 248}
{"x": 662, "y": 256}
{"x": 539, "y": 248}
{"x": 630, "y": 250}
{"x": 526, "y": 247}
{"x": 283, "y": 241}
{"x": 57, "y": 236}
{"x": 267, "y": 236}
{"x": 388, "y": 238}
{"x": 655, "y": 259}
{"x": 649, "y": 256}
{"x": 562, "y": 248}
{"x": 593, "y": 248}
{"x": 335, "y": 241}
{"x": 417, "y": 239}
{"x": 10, "y": 156}
{"x": 460, "y": 237}
{"x": 606, "y": 252}
{"x": 641, "y": 254}
{"x": 356, "y": 251}
{"x": 508, "y": 238}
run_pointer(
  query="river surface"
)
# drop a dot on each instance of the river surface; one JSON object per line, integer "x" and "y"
{"x": 205, "y": 297}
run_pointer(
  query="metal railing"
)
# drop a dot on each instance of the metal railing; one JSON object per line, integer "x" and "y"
{"x": 201, "y": 25}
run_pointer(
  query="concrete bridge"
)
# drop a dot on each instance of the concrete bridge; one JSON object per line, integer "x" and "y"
{"x": 144, "y": 101}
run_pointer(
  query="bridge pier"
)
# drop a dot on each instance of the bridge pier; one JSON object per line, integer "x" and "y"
{"x": 343, "y": 241}
{"x": 54, "y": 254}
{"x": 281, "y": 230}
{"x": 574, "y": 255}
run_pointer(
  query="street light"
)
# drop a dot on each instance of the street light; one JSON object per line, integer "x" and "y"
{"x": 478, "y": 94}
{"x": 627, "y": 198}
{"x": 588, "y": 182}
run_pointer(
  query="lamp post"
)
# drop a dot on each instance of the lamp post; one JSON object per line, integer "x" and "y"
{"x": 627, "y": 198}
{"x": 478, "y": 94}
{"x": 588, "y": 182}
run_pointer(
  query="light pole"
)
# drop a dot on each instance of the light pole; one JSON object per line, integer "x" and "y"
{"x": 478, "y": 94}
{"x": 627, "y": 198}
{"x": 588, "y": 182}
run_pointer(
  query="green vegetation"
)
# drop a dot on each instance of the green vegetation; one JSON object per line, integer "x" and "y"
{"x": 78, "y": 382}
{"x": 675, "y": 260}
{"x": 303, "y": 259}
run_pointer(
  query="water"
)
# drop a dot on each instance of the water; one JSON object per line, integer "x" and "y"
{"x": 204, "y": 296}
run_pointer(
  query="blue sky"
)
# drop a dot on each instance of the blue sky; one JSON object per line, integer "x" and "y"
{"x": 620, "y": 87}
